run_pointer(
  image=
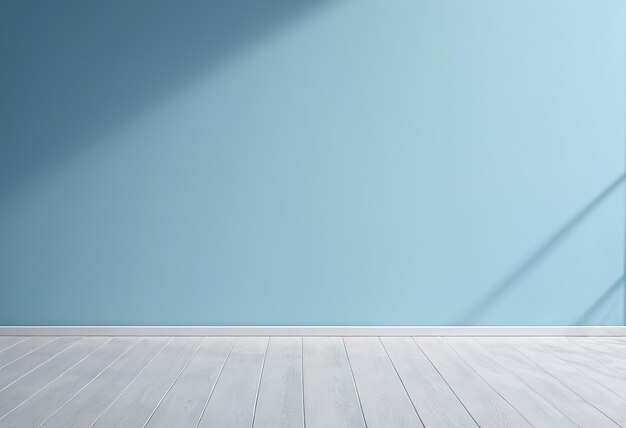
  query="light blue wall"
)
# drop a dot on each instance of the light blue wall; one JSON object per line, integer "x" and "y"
{"x": 326, "y": 162}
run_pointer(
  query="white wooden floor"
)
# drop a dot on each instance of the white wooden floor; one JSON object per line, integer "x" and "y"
{"x": 312, "y": 381}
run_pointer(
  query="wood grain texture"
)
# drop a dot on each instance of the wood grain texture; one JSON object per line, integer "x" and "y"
{"x": 550, "y": 388}
{"x": 435, "y": 402}
{"x": 611, "y": 356}
{"x": 89, "y": 403}
{"x": 134, "y": 406}
{"x": 8, "y": 341}
{"x": 21, "y": 389}
{"x": 588, "y": 363}
{"x": 588, "y": 388}
{"x": 384, "y": 400}
{"x": 233, "y": 401}
{"x": 40, "y": 406}
{"x": 312, "y": 381}
{"x": 22, "y": 366}
{"x": 618, "y": 343}
{"x": 485, "y": 405}
{"x": 280, "y": 401}
{"x": 22, "y": 349}
{"x": 330, "y": 398}
{"x": 533, "y": 406}
{"x": 185, "y": 401}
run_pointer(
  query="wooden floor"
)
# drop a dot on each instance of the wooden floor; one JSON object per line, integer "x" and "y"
{"x": 312, "y": 381}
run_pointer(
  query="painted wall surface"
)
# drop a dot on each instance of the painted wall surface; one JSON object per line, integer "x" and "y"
{"x": 354, "y": 162}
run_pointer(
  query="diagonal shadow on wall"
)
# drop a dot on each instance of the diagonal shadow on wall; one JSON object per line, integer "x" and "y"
{"x": 511, "y": 280}
{"x": 600, "y": 302}
{"x": 75, "y": 69}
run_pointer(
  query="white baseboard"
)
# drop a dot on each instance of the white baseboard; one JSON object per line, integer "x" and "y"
{"x": 307, "y": 331}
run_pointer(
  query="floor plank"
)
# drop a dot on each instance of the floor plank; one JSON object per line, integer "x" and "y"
{"x": 435, "y": 402}
{"x": 135, "y": 405}
{"x": 486, "y": 406}
{"x": 20, "y": 390}
{"x": 611, "y": 356}
{"x": 330, "y": 398}
{"x": 280, "y": 401}
{"x": 384, "y": 400}
{"x": 591, "y": 391}
{"x": 550, "y": 388}
{"x": 232, "y": 403}
{"x": 87, "y": 405}
{"x": 184, "y": 403}
{"x": 587, "y": 363}
{"x": 18, "y": 368}
{"x": 36, "y": 409}
{"x": 315, "y": 382}
{"x": 613, "y": 345}
{"x": 618, "y": 343}
{"x": 533, "y": 406}
{"x": 22, "y": 349}
{"x": 8, "y": 341}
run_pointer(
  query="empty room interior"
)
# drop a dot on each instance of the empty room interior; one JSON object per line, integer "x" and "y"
{"x": 312, "y": 213}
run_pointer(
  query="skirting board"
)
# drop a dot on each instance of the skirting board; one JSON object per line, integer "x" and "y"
{"x": 307, "y": 331}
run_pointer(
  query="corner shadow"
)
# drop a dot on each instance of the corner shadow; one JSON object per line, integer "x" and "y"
{"x": 74, "y": 69}
{"x": 511, "y": 280}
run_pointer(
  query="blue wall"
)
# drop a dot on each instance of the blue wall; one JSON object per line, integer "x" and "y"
{"x": 321, "y": 162}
